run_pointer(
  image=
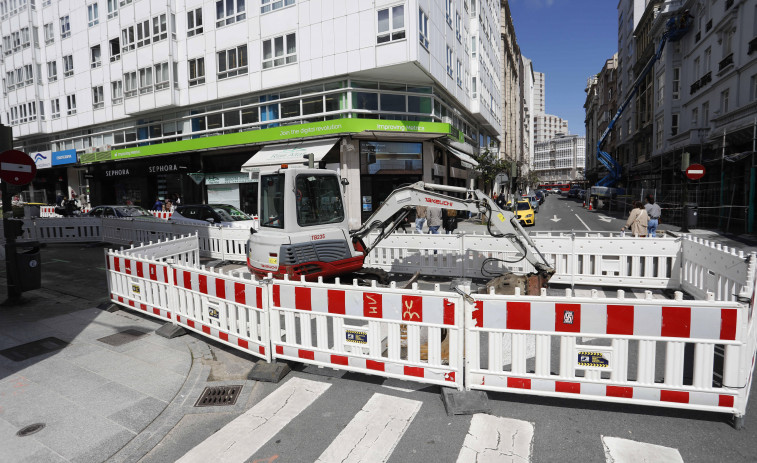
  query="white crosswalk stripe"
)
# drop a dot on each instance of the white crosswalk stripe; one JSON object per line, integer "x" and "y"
{"x": 495, "y": 439}
{"x": 374, "y": 432}
{"x": 619, "y": 450}
{"x": 240, "y": 439}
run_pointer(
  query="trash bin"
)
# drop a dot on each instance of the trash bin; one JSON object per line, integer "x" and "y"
{"x": 28, "y": 266}
{"x": 690, "y": 211}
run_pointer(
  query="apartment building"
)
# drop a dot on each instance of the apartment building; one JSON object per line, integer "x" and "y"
{"x": 561, "y": 159}
{"x": 129, "y": 100}
{"x": 527, "y": 81}
{"x": 539, "y": 94}
{"x": 601, "y": 106}
{"x": 548, "y": 126}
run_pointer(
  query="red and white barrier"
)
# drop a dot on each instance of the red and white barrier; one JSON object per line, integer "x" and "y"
{"x": 140, "y": 283}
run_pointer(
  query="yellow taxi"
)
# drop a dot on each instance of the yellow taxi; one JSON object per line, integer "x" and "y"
{"x": 524, "y": 211}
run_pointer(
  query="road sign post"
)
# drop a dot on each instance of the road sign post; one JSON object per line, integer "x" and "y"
{"x": 695, "y": 172}
{"x": 16, "y": 168}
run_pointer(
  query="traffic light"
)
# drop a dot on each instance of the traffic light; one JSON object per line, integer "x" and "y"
{"x": 13, "y": 228}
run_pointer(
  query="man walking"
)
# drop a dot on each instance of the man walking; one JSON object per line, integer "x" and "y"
{"x": 653, "y": 211}
{"x": 420, "y": 218}
{"x": 434, "y": 216}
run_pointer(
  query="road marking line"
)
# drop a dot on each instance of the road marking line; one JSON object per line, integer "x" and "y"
{"x": 240, "y": 439}
{"x": 492, "y": 438}
{"x": 579, "y": 219}
{"x": 619, "y": 450}
{"x": 374, "y": 432}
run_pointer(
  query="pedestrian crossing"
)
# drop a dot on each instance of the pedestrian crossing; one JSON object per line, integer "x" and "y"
{"x": 374, "y": 432}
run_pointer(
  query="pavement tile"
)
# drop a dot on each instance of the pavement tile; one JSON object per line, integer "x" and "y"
{"x": 63, "y": 376}
{"x": 24, "y": 449}
{"x": 109, "y": 398}
{"x": 176, "y": 361}
{"x": 138, "y": 415}
{"x": 104, "y": 449}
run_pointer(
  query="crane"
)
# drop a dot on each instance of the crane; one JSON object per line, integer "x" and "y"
{"x": 675, "y": 28}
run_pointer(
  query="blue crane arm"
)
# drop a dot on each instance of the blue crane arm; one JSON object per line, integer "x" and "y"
{"x": 677, "y": 27}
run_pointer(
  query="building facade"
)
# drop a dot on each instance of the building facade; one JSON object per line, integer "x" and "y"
{"x": 601, "y": 106}
{"x": 527, "y": 97}
{"x": 548, "y": 126}
{"x": 561, "y": 159}
{"x": 152, "y": 98}
{"x": 539, "y": 94}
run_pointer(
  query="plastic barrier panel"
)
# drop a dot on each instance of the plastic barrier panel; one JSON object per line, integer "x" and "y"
{"x": 139, "y": 283}
{"x": 398, "y": 333}
{"x": 183, "y": 250}
{"x": 672, "y": 353}
{"x": 711, "y": 267}
{"x": 230, "y": 309}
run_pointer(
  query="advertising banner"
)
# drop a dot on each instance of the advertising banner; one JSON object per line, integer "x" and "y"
{"x": 43, "y": 159}
{"x": 61, "y": 158}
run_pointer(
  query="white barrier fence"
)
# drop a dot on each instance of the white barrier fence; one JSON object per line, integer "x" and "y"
{"x": 693, "y": 354}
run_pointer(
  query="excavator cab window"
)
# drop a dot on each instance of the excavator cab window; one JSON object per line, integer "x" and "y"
{"x": 272, "y": 201}
{"x": 319, "y": 200}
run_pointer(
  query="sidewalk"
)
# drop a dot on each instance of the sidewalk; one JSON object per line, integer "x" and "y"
{"x": 102, "y": 383}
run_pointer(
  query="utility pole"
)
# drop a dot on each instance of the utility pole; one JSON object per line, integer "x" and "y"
{"x": 11, "y": 276}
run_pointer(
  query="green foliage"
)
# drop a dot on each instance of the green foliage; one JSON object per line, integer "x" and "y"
{"x": 489, "y": 166}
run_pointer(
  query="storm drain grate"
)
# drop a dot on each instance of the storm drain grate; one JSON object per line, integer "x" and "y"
{"x": 33, "y": 349}
{"x": 123, "y": 337}
{"x": 218, "y": 395}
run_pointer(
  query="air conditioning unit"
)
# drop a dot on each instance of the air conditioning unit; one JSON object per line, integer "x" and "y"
{"x": 90, "y": 150}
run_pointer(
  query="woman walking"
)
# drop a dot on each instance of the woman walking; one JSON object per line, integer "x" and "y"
{"x": 637, "y": 220}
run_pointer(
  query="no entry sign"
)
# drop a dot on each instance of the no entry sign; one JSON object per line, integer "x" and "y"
{"x": 16, "y": 167}
{"x": 695, "y": 171}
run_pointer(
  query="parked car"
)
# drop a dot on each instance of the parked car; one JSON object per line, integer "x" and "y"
{"x": 556, "y": 191}
{"x": 573, "y": 193}
{"x": 546, "y": 192}
{"x": 213, "y": 214}
{"x": 540, "y": 196}
{"x": 534, "y": 201}
{"x": 134, "y": 212}
{"x": 525, "y": 214}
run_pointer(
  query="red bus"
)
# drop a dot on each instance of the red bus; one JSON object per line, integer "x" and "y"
{"x": 563, "y": 187}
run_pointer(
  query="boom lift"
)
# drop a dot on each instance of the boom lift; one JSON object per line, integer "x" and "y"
{"x": 675, "y": 28}
{"x": 304, "y": 230}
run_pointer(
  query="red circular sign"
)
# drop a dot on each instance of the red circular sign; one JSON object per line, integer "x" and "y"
{"x": 16, "y": 167}
{"x": 695, "y": 171}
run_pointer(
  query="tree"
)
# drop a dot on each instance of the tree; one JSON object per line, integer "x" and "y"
{"x": 489, "y": 166}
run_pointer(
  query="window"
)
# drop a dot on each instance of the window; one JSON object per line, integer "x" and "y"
{"x": 32, "y": 110}
{"x": 116, "y": 92}
{"x": 29, "y": 72}
{"x": 115, "y": 49}
{"x": 52, "y": 71}
{"x": 271, "y": 5}
{"x": 127, "y": 39}
{"x": 65, "y": 27}
{"x": 279, "y": 51}
{"x": 112, "y": 8}
{"x": 232, "y": 62}
{"x": 7, "y": 45}
{"x": 98, "y": 98}
{"x": 448, "y": 7}
{"x": 706, "y": 113}
{"x": 196, "y": 71}
{"x": 272, "y": 201}
{"x": 319, "y": 200}
{"x": 459, "y": 74}
{"x": 695, "y": 118}
{"x": 727, "y": 43}
{"x": 95, "y": 58}
{"x": 660, "y": 89}
{"x": 674, "y": 124}
{"x": 159, "y": 28}
{"x": 93, "y": 15}
{"x": 473, "y": 44}
{"x": 229, "y": 12}
{"x": 68, "y": 66}
{"x": 25, "y": 37}
{"x": 676, "y": 83}
{"x": 130, "y": 84}
{"x": 724, "y": 101}
{"x": 49, "y": 33}
{"x": 143, "y": 33}
{"x": 194, "y": 22}
{"x": 161, "y": 76}
{"x": 55, "y": 108}
{"x": 449, "y": 61}
{"x": 473, "y": 87}
{"x": 458, "y": 27}
{"x": 145, "y": 80}
{"x": 124, "y": 2}
{"x": 391, "y": 24}
{"x": 697, "y": 75}
{"x": 71, "y": 104}
{"x": 423, "y": 28}
{"x": 707, "y": 59}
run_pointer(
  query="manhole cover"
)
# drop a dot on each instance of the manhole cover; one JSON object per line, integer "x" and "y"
{"x": 31, "y": 429}
{"x": 33, "y": 349}
{"x": 124, "y": 337}
{"x": 218, "y": 395}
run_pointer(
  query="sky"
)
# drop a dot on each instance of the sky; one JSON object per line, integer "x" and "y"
{"x": 569, "y": 41}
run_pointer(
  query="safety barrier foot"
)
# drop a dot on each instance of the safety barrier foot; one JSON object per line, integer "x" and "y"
{"x": 170, "y": 331}
{"x": 738, "y": 422}
{"x": 269, "y": 372}
{"x": 465, "y": 402}
{"x": 109, "y": 307}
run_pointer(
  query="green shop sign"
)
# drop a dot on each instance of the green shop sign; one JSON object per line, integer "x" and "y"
{"x": 338, "y": 126}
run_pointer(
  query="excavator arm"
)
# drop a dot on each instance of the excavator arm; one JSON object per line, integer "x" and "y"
{"x": 501, "y": 223}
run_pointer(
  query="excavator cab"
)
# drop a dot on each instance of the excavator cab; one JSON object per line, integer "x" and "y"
{"x": 303, "y": 226}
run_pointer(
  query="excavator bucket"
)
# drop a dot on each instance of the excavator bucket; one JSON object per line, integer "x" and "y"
{"x": 529, "y": 285}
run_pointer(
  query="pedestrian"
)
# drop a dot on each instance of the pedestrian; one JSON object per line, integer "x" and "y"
{"x": 168, "y": 206}
{"x": 637, "y": 220}
{"x": 434, "y": 217}
{"x": 420, "y": 218}
{"x": 450, "y": 221}
{"x": 501, "y": 201}
{"x": 158, "y": 206}
{"x": 654, "y": 212}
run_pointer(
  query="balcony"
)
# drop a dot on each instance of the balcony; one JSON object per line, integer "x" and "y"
{"x": 704, "y": 80}
{"x": 727, "y": 61}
